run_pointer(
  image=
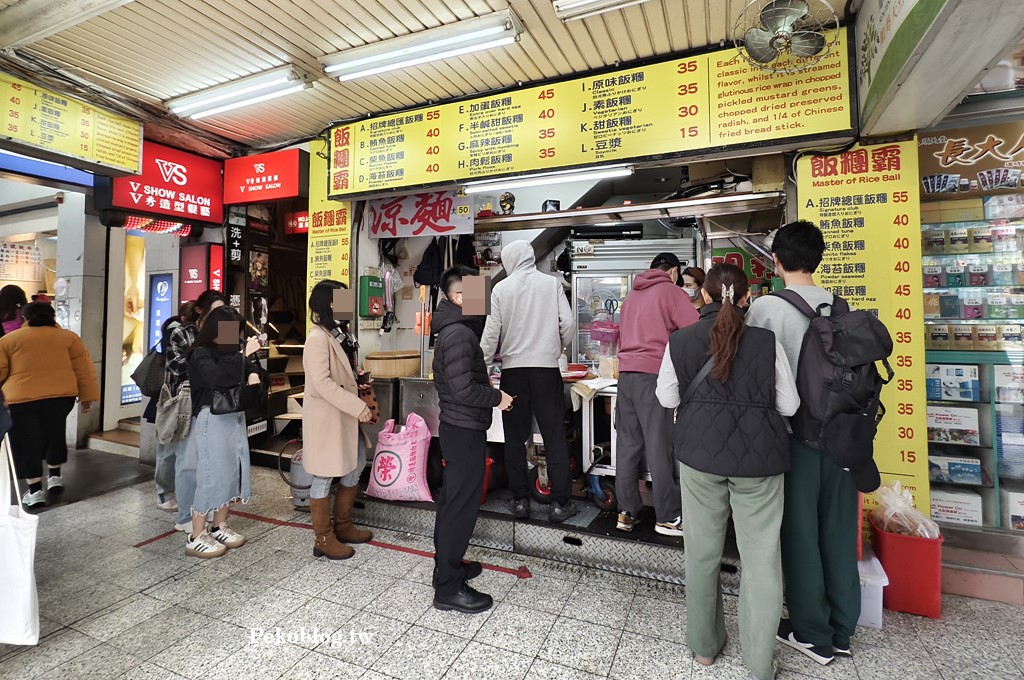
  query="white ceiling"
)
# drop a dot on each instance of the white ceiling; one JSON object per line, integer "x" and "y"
{"x": 154, "y": 50}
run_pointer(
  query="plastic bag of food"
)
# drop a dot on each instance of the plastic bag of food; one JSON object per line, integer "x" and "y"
{"x": 897, "y": 515}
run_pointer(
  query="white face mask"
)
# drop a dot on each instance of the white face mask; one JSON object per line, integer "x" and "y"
{"x": 692, "y": 292}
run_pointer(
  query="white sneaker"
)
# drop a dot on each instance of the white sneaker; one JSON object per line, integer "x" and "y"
{"x": 673, "y": 528}
{"x": 183, "y": 526}
{"x": 228, "y": 536}
{"x": 54, "y": 484}
{"x": 204, "y": 546}
{"x": 34, "y": 500}
{"x": 167, "y": 506}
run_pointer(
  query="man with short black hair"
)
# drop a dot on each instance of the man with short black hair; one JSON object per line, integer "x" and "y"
{"x": 643, "y": 427}
{"x": 466, "y": 399}
{"x": 819, "y": 524}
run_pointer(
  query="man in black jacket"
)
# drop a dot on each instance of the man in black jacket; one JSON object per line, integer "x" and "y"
{"x": 467, "y": 401}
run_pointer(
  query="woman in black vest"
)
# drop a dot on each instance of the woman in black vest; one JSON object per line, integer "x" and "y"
{"x": 730, "y": 440}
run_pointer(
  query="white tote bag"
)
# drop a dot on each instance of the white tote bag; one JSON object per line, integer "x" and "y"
{"x": 19, "y": 615}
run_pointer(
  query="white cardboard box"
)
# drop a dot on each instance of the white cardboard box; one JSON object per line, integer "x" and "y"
{"x": 872, "y": 582}
{"x": 957, "y": 426}
{"x": 1013, "y": 509}
{"x": 954, "y": 470}
{"x": 956, "y": 506}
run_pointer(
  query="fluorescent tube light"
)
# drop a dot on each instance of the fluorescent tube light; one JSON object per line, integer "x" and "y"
{"x": 462, "y": 37}
{"x": 545, "y": 178}
{"x": 253, "y": 89}
{"x": 571, "y": 10}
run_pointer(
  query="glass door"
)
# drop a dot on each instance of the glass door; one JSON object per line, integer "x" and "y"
{"x": 598, "y": 301}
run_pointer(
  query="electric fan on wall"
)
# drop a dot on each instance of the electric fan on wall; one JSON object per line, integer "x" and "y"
{"x": 786, "y": 36}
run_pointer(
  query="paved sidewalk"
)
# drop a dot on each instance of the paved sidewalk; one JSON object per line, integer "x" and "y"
{"x": 111, "y": 610}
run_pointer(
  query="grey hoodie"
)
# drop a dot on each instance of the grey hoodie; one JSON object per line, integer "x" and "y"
{"x": 531, "y": 320}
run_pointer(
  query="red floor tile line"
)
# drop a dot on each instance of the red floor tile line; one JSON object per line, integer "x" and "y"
{"x": 522, "y": 572}
{"x": 155, "y": 538}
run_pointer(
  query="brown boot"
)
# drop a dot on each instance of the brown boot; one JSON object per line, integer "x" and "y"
{"x": 326, "y": 544}
{"x": 344, "y": 529}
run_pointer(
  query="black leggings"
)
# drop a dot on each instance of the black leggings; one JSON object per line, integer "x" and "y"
{"x": 37, "y": 433}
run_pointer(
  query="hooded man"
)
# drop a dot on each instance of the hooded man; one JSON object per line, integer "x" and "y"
{"x": 650, "y": 313}
{"x": 530, "y": 323}
{"x": 467, "y": 401}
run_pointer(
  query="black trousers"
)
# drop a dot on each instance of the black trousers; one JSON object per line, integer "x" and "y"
{"x": 539, "y": 394}
{"x": 458, "y": 502}
{"x": 37, "y": 433}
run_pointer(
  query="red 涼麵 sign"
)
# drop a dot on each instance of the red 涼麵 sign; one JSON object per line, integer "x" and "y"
{"x": 174, "y": 183}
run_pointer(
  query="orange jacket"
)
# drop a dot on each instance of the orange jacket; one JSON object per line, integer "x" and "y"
{"x": 45, "y": 362}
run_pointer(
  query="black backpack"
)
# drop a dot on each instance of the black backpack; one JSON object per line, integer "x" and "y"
{"x": 839, "y": 385}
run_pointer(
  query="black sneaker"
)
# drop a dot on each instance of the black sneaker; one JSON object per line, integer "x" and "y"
{"x": 467, "y": 601}
{"x": 470, "y": 569}
{"x": 787, "y": 636}
{"x": 559, "y": 513}
{"x": 520, "y": 508}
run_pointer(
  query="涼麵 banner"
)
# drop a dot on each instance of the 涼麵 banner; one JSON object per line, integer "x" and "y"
{"x": 702, "y": 104}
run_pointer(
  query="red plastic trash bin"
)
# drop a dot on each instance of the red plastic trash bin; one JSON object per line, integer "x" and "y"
{"x": 914, "y": 568}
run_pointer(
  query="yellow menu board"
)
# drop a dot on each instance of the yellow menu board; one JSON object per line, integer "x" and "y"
{"x": 867, "y": 203}
{"x": 330, "y": 227}
{"x": 705, "y": 103}
{"x": 61, "y": 126}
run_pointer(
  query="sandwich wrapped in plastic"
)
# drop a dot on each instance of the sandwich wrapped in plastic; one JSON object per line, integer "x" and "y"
{"x": 897, "y": 515}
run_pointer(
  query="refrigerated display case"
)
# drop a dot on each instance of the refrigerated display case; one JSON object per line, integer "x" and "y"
{"x": 603, "y": 273}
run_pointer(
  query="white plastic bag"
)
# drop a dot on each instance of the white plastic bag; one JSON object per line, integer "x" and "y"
{"x": 19, "y": 614}
{"x": 897, "y": 515}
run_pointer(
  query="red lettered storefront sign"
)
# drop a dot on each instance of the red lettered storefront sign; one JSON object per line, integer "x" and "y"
{"x": 175, "y": 183}
{"x": 266, "y": 177}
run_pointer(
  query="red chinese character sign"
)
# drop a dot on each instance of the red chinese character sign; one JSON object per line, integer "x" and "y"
{"x": 438, "y": 213}
{"x": 973, "y": 161}
{"x": 174, "y": 183}
{"x": 867, "y": 204}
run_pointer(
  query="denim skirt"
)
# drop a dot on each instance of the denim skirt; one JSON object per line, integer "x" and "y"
{"x": 220, "y": 446}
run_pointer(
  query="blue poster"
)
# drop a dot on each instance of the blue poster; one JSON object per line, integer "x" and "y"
{"x": 161, "y": 305}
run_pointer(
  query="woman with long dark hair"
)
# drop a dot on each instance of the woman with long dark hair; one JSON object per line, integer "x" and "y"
{"x": 12, "y": 299}
{"x": 331, "y": 414}
{"x": 43, "y": 369}
{"x": 176, "y": 348}
{"x": 732, "y": 385}
{"x": 214, "y": 470}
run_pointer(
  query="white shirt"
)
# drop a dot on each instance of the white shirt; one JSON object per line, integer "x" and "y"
{"x": 787, "y": 401}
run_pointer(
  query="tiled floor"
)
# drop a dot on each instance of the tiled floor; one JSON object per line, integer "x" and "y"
{"x": 110, "y": 610}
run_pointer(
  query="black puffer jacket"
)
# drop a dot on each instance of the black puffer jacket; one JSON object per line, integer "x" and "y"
{"x": 460, "y": 374}
{"x": 730, "y": 429}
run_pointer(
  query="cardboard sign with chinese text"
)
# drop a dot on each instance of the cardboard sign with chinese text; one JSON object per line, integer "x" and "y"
{"x": 438, "y": 213}
{"x": 972, "y": 161}
{"x": 866, "y": 202}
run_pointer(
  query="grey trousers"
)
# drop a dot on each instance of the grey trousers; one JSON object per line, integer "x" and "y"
{"x": 757, "y": 504}
{"x": 643, "y": 429}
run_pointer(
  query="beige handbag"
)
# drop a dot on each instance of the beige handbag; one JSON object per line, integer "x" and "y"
{"x": 173, "y": 414}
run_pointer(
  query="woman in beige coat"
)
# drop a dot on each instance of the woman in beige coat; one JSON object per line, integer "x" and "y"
{"x": 331, "y": 414}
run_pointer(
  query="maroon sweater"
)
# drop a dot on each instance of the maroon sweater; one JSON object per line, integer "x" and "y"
{"x": 650, "y": 313}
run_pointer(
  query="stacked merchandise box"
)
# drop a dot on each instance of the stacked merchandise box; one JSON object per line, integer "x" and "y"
{"x": 958, "y": 506}
{"x": 947, "y": 382}
{"x": 955, "y": 470}
{"x": 1013, "y": 508}
{"x": 949, "y": 425}
{"x": 1009, "y": 382}
{"x": 1010, "y": 434}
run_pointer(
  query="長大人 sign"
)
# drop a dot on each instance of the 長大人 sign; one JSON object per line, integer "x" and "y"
{"x": 68, "y": 130}
{"x": 702, "y": 104}
{"x": 866, "y": 202}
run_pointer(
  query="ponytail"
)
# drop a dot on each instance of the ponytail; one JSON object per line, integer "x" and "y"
{"x": 725, "y": 283}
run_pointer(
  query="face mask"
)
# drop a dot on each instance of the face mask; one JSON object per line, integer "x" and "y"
{"x": 692, "y": 292}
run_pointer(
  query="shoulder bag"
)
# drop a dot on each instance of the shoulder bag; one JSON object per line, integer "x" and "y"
{"x": 173, "y": 414}
{"x": 238, "y": 399}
